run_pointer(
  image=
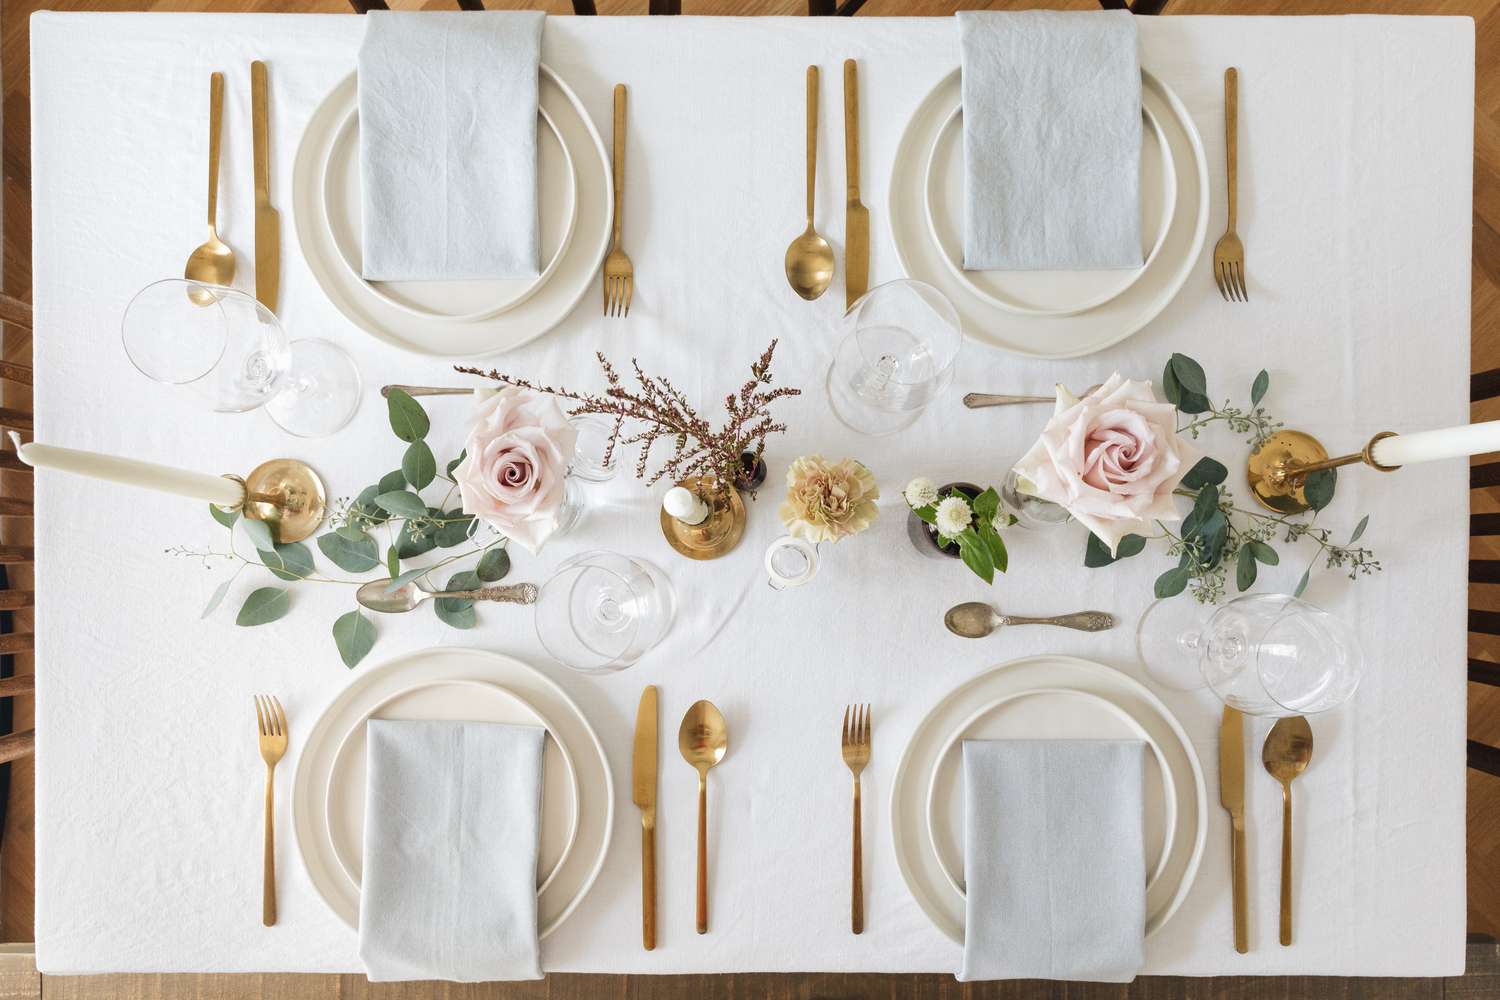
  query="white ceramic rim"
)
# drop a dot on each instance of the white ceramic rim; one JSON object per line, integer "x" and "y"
{"x": 504, "y": 693}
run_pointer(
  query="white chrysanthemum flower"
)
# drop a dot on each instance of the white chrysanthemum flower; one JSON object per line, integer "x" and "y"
{"x": 953, "y": 516}
{"x": 1000, "y": 522}
{"x": 921, "y": 492}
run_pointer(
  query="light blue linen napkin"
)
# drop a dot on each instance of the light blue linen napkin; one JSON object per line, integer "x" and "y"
{"x": 452, "y": 828}
{"x": 1054, "y": 860}
{"x": 448, "y": 144}
{"x": 1052, "y": 140}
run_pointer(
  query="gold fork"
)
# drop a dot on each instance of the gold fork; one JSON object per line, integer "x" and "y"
{"x": 1229, "y": 252}
{"x": 272, "y": 723}
{"x": 619, "y": 276}
{"x": 857, "y": 754}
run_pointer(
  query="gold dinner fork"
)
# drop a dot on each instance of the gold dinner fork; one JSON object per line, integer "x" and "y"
{"x": 857, "y": 754}
{"x": 619, "y": 276}
{"x": 272, "y": 723}
{"x": 1229, "y": 252}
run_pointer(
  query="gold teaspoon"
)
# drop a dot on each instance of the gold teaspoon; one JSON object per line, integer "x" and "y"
{"x": 809, "y": 260}
{"x": 213, "y": 262}
{"x": 1288, "y": 748}
{"x": 703, "y": 739}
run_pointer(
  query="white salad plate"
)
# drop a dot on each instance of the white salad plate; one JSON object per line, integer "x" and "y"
{"x": 454, "y": 701}
{"x": 421, "y": 316}
{"x": 575, "y": 872}
{"x": 974, "y": 708}
{"x": 924, "y": 258}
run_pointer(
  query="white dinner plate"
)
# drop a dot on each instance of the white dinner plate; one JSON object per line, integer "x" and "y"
{"x": 918, "y": 859}
{"x": 454, "y": 301}
{"x": 1045, "y": 293}
{"x": 1045, "y": 714}
{"x": 466, "y": 701}
{"x": 1052, "y": 336}
{"x": 310, "y": 820}
{"x": 441, "y": 336}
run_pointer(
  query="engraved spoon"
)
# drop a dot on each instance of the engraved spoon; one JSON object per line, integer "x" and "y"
{"x": 979, "y": 400}
{"x": 976, "y": 619}
{"x": 374, "y": 595}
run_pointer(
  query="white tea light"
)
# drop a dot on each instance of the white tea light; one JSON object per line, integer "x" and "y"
{"x": 684, "y": 506}
{"x": 1429, "y": 446}
{"x": 131, "y": 472}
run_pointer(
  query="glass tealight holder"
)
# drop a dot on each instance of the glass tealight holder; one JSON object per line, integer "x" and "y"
{"x": 791, "y": 562}
{"x": 1029, "y": 511}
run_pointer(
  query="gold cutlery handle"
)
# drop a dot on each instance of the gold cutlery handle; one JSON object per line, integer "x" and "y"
{"x": 648, "y": 881}
{"x": 979, "y": 400}
{"x": 619, "y": 157}
{"x": 857, "y": 900}
{"x": 1238, "y": 890}
{"x": 1286, "y": 863}
{"x": 812, "y": 138}
{"x": 425, "y": 390}
{"x": 1084, "y": 621}
{"x": 510, "y": 593}
{"x": 702, "y": 853}
{"x": 1232, "y": 139}
{"x": 259, "y": 131}
{"x": 215, "y": 128}
{"x": 268, "y": 893}
{"x": 851, "y": 130}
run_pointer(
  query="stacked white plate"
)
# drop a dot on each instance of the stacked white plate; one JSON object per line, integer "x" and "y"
{"x": 457, "y": 318}
{"x": 1050, "y": 314}
{"x": 328, "y": 791}
{"x": 1044, "y": 697}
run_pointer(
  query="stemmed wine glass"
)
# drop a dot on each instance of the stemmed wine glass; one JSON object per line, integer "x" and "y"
{"x": 602, "y": 611}
{"x": 1264, "y": 654}
{"x": 233, "y": 354}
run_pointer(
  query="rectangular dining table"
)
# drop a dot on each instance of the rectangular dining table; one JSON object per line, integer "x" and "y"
{"x": 1355, "y": 188}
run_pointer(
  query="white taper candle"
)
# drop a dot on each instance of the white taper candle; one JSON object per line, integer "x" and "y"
{"x": 683, "y": 505}
{"x": 131, "y": 472}
{"x": 1428, "y": 446}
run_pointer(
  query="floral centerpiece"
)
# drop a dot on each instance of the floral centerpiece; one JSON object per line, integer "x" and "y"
{"x": 828, "y": 501}
{"x": 970, "y": 524}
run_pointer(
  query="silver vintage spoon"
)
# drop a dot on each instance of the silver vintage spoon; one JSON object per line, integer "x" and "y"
{"x": 374, "y": 595}
{"x": 979, "y": 400}
{"x": 976, "y": 619}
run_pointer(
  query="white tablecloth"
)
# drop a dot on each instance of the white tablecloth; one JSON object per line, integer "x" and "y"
{"x": 1354, "y": 204}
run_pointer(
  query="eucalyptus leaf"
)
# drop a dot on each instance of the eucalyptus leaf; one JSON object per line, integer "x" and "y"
{"x": 393, "y": 561}
{"x": 457, "y": 462}
{"x": 391, "y": 481}
{"x": 458, "y": 612}
{"x": 1170, "y": 387}
{"x": 367, "y": 509}
{"x": 1097, "y": 554}
{"x": 1302, "y": 583}
{"x": 353, "y": 533}
{"x": 1172, "y": 582}
{"x": 1263, "y": 552}
{"x": 457, "y": 530}
{"x": 1189, "y": 374}
{"x": 224, "y": 517}
{"x": 1214, "y": 532}
{"x": 409, "y": 544}
{"x": 292, "y": 561}
{"x": 401, "y": 580}
{"x": 1318, "y": 487}
{"x": 1207, "y": 472}
{"x": 408, "y": 419}
{"x": 218, "y": 598}
{"x": 264, "y": 605}
{"x": 1359, "y": 529}
{"x": 418, "y": 466}
{"x": 354, "y": 634}
{"x": 402, "y": 503}
{"x": 353, "y": 555}
{"x": 493, "y": 565}
{"x": 1244, "y": 573}
{"x": 1206, "y": 504}
{"x": 1259, "y": 386}
{"x": 258, "y": 532}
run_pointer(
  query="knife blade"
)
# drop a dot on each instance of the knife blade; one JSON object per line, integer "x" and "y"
{"x": 856, "y": 215}
{"x": 1232, "y": 798}
{"x": 267, "y": 219}
{"x": 643, "y": 793}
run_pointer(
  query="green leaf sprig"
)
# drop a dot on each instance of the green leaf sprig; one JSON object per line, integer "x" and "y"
{"x": 979, "y": 545}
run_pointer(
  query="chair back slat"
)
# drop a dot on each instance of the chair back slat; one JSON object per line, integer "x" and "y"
{"x": 16, "y": 420}
{"x": 1481, "y": 758}
{"x": 15, "y": 600}
{"x": 21, "y": 684}
{"x": 14, "y": 746}
{"x": 16, "y": 642}
{"x": 15, "y": 311}
{"x": 11, "y": 507}
{"x": 15, "y": 372}
{"x": 1484, "y": 570}
{"x": 1484, "y": 622}
{"x": 1484, "y": 672}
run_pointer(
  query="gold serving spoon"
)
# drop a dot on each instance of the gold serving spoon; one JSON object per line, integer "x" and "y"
{"x": 976, "y": 619}
{"x": 213, "y": 262}
{"x": 1288, "y": 749}
{"x": 809, "y": 260}
{"x": 703, "y": 739}
{"x": 375, "y": 596}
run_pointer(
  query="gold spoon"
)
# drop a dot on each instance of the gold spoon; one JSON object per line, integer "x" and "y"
{"x": 703, "y": 738}
{"x": 976, "y": 619}
{"x": 1288, "y": 748}
{"x": 809, "y": 260}
{"x": 376, "y": 596}
{"x": 213, "y": 262}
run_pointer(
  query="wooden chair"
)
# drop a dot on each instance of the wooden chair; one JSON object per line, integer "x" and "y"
{"x": 13, "y": 643}
{"x": 1482, "y": 756}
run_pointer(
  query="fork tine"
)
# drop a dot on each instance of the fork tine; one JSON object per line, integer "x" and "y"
{"x": 614, "y": 296}
{"x": 1239, "y": 277}
{"x": 1219, "y": 280}
{"x": 280, "y": 716}
{"x": 629, "y": 292}
{"x": 865, "y": 736}
{"x": 845, "y": 738}
{"x": 260, "y": 718}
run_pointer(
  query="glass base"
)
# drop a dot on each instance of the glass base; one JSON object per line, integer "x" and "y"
{"x": 1168, "y": 640}
{"x": 858, "y": 413}
{"x": 322, "y": 390}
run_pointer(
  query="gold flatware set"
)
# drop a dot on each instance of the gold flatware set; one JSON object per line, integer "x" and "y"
{"x": 272, "y": 728}
{"x": 643, "y": 773}
{"x": 809, "y": 258}
{"x": 212, "y": 263}
{"x": 855, "y": 746}
{"x": 619, "y": 273}
{"x": 1229, "y": 252}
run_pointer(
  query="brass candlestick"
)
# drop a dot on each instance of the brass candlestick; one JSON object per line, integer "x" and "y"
{"x": 718, "y": 533}
{"x": 287, "y": 495}
{"x": 1279, "y": 470}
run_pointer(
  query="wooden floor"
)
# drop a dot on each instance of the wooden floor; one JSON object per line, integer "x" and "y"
{"x": 18, "y": 978}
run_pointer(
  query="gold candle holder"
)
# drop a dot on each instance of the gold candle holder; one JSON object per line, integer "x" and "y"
{"x": 1278, "y": 472}
{"x": 718, "y": 533}
{"x": 287, "y": 495}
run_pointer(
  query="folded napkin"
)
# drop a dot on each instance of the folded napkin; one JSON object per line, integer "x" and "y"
{"x": 1052, "y": 140}
{"x": 447, "y": 144}
{"x": 1054, "y": 860}
{"x": 452, "y": 822}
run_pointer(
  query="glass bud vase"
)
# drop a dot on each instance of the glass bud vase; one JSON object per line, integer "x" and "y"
{"x": 1029, "y": 511}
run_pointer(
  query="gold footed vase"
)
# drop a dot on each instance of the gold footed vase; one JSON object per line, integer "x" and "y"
{"x": 719, "y": 532}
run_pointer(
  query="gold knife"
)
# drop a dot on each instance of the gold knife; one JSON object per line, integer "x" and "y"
{"x": 267, "y": 219}
{"x": 856, "y": 215}
{"x": 643, "y": 791}
{"x": 1232, "y": 798}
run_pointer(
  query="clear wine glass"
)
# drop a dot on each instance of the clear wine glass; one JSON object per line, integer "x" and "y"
{"x": 233, "y": 355}
{"x": 1264, "y": 654}
{"x": 602, "y": 611}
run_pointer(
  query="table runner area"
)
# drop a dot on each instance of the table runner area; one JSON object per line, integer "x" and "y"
{"x": 1355, "y": 174}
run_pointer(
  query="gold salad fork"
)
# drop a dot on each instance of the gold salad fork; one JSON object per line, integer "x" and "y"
{"x": 856, "y": 748}
{"x": 272, "y": 722}
{"x": 619, "y": 276}
{"x": 1229, "y": 252}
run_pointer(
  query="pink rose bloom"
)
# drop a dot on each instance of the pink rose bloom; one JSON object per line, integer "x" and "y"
{"x": 1112, "y": 459}
{"x": 518, "y": 454}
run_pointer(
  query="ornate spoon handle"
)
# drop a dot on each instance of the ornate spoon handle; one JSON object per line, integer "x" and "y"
{"x": 978, "y": 400}
{"x": 1084, "y": 621}
{"x": 425, "y": 390}
{"x": 512, "y": 593}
